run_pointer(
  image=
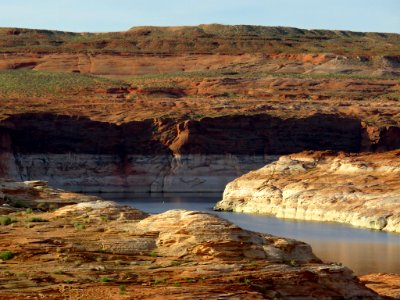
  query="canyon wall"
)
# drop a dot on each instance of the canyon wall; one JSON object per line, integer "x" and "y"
{"x": 137, "y": 173}
{"x": 125, "y": 64}
{"x": 160, "y": 155}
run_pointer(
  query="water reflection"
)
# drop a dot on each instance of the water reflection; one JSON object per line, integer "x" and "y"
{"x": 362, "y": 250}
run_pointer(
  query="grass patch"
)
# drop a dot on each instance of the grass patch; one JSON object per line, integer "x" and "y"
{"x": 6, "y": 255}
{"x": 167, "y": 79}
{"x": 40, "y": 83}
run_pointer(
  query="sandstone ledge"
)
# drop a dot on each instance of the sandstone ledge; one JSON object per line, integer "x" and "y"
{"x": 34, "y": 194}
{"x": 361, "y": 190}
{"x": 101, "y": 250}
{"x": 387, "y": 285}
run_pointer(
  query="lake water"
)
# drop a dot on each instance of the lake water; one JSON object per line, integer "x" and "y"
{"x": 364, "y": 251}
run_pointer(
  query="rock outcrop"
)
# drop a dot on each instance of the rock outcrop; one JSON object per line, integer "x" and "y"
{"x": 361, "y": 190}
{"x": 180, "y": 109}
{"x": 161, "y": 155}
{"x": 99, "y": 250}
{"x": 189, "y": 109}
{"x": 386, "y": 285}
{"x": 35, "y": 194}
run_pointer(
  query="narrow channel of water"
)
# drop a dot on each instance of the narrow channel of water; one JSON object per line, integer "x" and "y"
{"x": 364, "y": 251}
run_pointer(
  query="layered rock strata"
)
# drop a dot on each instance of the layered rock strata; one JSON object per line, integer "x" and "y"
{"x": 361, "y": 190}
{"x": 99, "y": 250}
{"x": 177, "y": 109}
{"x": 124, "y": 65}
{"x": 161, "y": 155}
{"x": 15, "y": 196}
{"x": 386, "y": 285}
{"x": 144, "y": 50}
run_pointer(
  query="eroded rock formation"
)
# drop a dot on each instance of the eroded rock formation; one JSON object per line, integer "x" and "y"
{"x": 99, "y": 250}
{"x": 161, "y": 155}
{"x": 362, "y": 190}
{"x": 188, "y": 108}
{"x": 36, "y": 193}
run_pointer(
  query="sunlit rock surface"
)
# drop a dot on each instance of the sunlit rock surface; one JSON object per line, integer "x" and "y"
{"x": 101, "y": 250}
{"x": 361, "y": 190}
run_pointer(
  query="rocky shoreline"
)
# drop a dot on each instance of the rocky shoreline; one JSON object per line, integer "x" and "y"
{"x": 189, "y": 109}
{"x": 98, "y": 249}
{"x": 361, "y": 190}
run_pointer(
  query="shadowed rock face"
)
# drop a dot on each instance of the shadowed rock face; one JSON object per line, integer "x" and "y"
{"x": 160, "y": 155}
{"x": 250, "y": 135}
{"x": 47, "y": 133}
{"x": 264, "y": 134}
{"x": 389, "y": 139}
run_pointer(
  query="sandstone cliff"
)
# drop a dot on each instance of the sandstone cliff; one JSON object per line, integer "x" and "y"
{"x": 165, "y": 155}
{"x": 188, "y": 108}
{"x": 361, "y": 190}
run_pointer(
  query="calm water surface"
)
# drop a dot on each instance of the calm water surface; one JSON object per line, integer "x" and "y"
{"x": 364, "y": 251}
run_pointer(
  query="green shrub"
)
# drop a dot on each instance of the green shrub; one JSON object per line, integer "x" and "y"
{"x": 159, "y": 281}
{"x": 68, "y": 281}
{"x": 247, "y": 281}
{"x": 29, "y": 211}
{"x": 6, "y": 255}
{"x": 122, "y": 289}
{"x": 37, "y": 220}
{"x": 79, "y": 226}
{"x": 105, "y": 279}
{"x": 104, "y": 218}
{"x": 175, "y": 263}
{"x": 42, "y": 206}
{"x": 5, "y": 220}
{"x": 293, "y": 263}
{"x": 53, "y": 206}
{"x": 19, "y": 204}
